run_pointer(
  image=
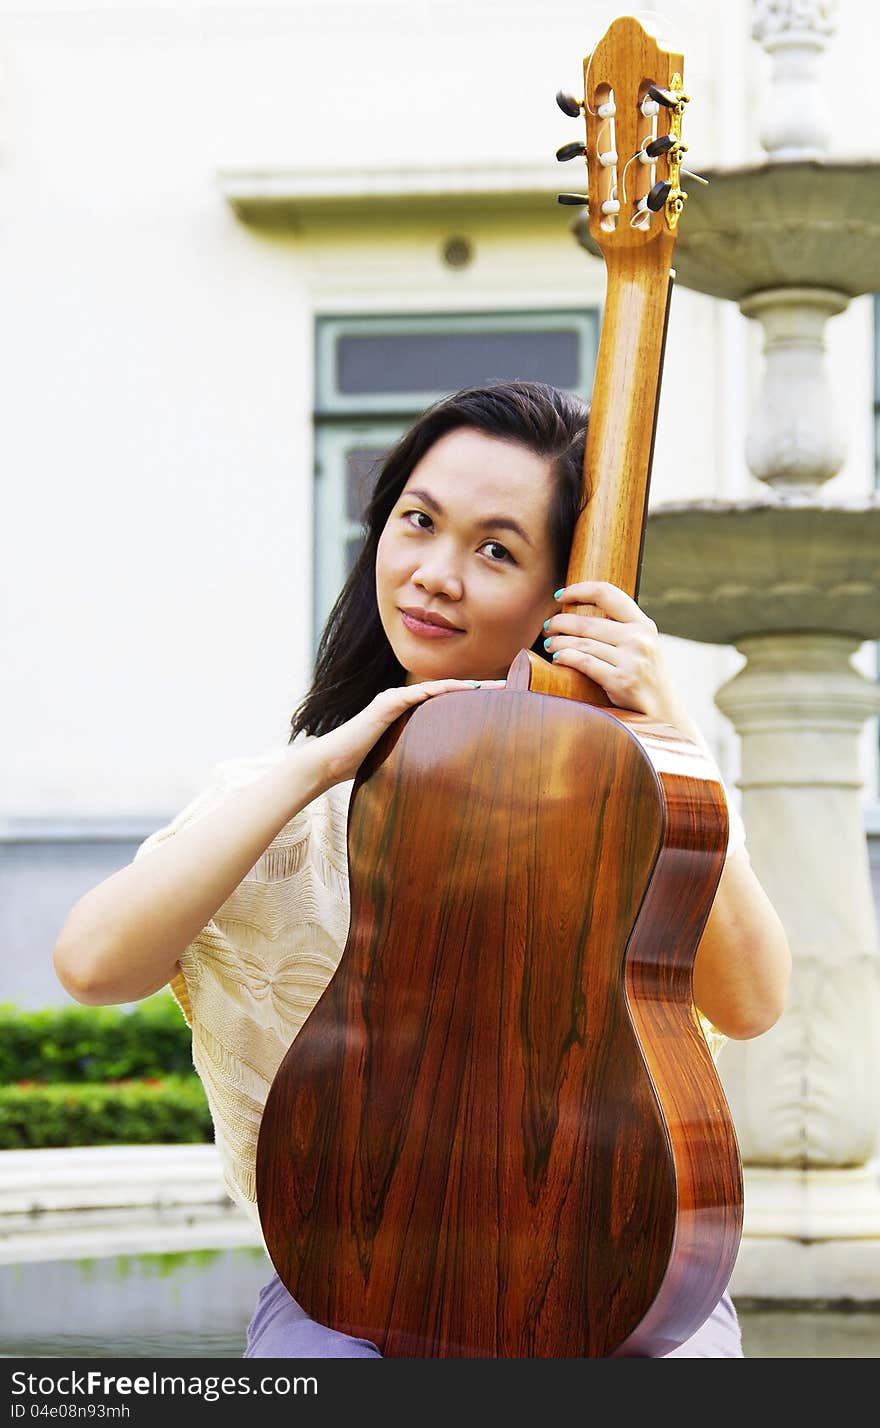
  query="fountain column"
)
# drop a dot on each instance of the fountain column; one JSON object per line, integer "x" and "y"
{"x": 804, "y": 1095}
{"x": 794, "y": 442}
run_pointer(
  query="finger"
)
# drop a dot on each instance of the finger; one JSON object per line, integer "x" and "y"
{"x": 607, "y": 597}
{"x": 595, "y": 627}
{"x": 598, "y": 648}
{"x": 599, "y": 670}
{"x": 437, "y": 686}
{"x": 391, "y": 703}
{"x": 429, "y": 687}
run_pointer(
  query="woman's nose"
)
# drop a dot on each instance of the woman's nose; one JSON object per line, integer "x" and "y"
{"x": 439, "y": 574}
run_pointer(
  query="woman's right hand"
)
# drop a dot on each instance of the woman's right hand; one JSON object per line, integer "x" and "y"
{"x": 343, "y": 750}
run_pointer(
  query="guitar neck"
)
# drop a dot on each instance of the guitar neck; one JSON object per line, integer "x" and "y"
{"x": 633, "y": 105}
{"x": 609, "y": 535}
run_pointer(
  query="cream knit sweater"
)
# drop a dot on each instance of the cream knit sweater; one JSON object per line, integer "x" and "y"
{"x": 249, "y": 980}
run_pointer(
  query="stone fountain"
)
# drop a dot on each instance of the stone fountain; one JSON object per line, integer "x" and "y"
{"x": 792, "y": 580}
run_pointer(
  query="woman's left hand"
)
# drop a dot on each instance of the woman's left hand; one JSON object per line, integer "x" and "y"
{"x": 619, "y": 649}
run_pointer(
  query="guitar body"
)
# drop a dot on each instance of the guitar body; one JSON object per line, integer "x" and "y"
{"x": 500, "y": 1133}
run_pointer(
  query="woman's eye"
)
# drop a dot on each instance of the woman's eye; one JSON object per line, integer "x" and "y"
{"x": 497, "y": 546}
{"x": 419, "y": 515}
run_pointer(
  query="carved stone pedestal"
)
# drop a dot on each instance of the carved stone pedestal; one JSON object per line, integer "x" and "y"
{"x": 804, "y": 1096}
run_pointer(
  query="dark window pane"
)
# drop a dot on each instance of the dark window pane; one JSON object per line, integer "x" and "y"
{"x": 445, "y": 361}
{"x": 361, "y": 469}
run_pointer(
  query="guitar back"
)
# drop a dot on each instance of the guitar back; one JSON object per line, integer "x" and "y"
{"x": 486, "y": 1141}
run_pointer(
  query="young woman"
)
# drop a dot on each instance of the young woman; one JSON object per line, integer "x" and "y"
{"x": 241, "y": 902}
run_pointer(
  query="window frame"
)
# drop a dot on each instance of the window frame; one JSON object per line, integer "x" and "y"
{"x": 330, "y": 402}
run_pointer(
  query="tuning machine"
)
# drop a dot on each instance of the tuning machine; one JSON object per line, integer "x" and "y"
{"x": 669, "y": 98}
{"x": 657, "y": 147}
{"x": 656, "y": 199}
{"x": 569, "y": 105}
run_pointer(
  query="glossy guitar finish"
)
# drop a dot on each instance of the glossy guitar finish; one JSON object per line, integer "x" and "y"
{"x": 502, "y": 1113}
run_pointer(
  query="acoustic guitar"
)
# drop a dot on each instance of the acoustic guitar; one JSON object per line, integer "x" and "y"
{"x": 500, "y": 1132}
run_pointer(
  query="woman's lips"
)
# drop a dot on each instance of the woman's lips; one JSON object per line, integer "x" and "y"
{"x": 429, "y": 632}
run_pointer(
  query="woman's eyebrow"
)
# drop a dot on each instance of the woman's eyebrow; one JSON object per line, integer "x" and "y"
{"x": 493, "y": 523}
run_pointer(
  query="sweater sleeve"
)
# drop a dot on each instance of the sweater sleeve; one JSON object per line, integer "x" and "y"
{"x": 226, "y": 777}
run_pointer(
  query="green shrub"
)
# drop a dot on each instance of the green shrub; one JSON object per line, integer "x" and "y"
{"x": 92, "y": 1044}
{"x": 79, "y": 1075}
{"x": 170, "y": 1110}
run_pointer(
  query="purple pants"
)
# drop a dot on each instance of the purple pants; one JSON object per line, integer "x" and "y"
{"x": 280, "y": 1329}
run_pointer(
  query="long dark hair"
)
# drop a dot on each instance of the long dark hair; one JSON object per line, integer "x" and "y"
{"x": 354, "y": 661}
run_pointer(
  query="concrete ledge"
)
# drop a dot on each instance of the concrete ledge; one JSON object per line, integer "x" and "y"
{"x": 106, "y": 1234}
{"x": 787, "y": 1271}
{"x": 106, "y": 1175}
{"x": 813, "y": 1206}
{"x": 287, "y": 198}
{"x": 104, "y": 1201}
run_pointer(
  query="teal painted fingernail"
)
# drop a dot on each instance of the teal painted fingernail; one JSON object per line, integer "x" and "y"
{"x": 557, "y": 593}
{"x": 546, "y": 624}
{"x": 557, "y": 654}
{"x": 547, "y": 643}
{"x": 476, "y": 683}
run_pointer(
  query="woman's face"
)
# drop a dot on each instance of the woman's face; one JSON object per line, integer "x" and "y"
{"x": 467, "y": 542}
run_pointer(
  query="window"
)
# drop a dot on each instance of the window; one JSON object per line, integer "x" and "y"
{"x": 374, "y": 375}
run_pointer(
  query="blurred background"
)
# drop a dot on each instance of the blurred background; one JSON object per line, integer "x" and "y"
{"x": 243, "y": 245}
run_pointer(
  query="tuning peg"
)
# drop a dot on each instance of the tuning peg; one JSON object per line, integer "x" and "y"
{"x": 659, "y": 146}
{"x": 568, "y": 104}
{"x": 658, "y": 196}
{"x": 667, "y": 97}
{"x": 579, "y": 200}
{"x": 571, "y": 151}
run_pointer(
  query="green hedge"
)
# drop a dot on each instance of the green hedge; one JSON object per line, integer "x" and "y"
{"x": 79, "y": 1075}
{"x": 168, "y": 1110}
{"x": 94, "y": 1044}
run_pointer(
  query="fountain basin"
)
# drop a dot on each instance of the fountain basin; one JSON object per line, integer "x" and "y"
{"x": 720, "y": 571}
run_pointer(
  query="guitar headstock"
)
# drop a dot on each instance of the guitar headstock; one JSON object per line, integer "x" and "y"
{"x": 633, "y": 106}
